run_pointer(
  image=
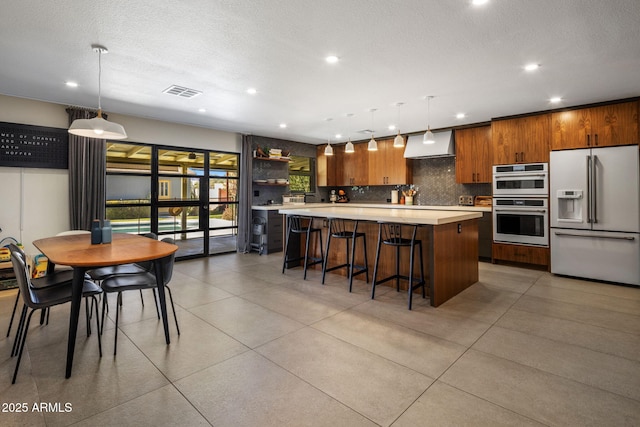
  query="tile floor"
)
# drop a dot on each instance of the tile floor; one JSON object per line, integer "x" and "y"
{"x": 259, "y": 348}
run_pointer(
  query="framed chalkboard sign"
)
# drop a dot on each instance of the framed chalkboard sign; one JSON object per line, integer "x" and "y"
{"x": 33, "y": 146}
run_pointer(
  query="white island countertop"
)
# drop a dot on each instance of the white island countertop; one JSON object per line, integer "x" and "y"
{"x": 373, "y": 205}
{"x": 398, "y": 215}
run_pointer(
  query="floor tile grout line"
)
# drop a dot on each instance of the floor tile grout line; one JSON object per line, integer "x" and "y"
{"x": 569, "y": 343}
{"x": 558, "y": 376}
{"x": 311, "y": 385}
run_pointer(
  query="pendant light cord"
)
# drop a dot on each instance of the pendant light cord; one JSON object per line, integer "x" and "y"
{"x": 99, "y": 79}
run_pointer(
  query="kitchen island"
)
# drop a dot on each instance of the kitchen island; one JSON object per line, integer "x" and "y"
{"x": 450, "y": 242}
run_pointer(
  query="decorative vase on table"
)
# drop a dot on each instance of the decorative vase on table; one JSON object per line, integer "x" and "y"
{"x": 106, "y": 231}
{"x": 96, "y": 232}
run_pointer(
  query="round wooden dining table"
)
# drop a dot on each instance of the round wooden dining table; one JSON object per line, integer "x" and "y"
{"x": 76, "y": 251}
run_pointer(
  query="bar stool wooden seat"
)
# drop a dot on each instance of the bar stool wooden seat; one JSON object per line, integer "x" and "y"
{"x": 299, "y": 224}
{"x": 338, "y": 230}
{"x": 390, "y": 234}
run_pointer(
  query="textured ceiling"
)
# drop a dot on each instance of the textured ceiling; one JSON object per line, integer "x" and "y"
{"x": 470, "y": 58}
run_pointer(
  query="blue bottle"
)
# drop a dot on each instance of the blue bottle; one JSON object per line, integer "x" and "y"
{"x": 96, "y": 232}
{"x": 106, "y": 231}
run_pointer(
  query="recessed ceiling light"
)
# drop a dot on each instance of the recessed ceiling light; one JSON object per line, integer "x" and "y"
{"x": 531, "y": 67}
{"x": 461, "y": 116}
{"x": 392, "y": 127}
{"x": 331, "y": 59}
{"x": 202, "y": 110}
{"x": 479, "y": 2}
{"x": 555, "y": 99}
{"x": 71, "y": 84}
{"x": 338, "y": 136}
{"x": 283, "y": 125}
{"x": 252, "y": 91}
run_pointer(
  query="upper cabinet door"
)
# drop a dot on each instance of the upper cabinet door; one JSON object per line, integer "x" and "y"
{"x": 615, "y": 124}
{"x": 571, "y": 129}
{"x": 473, "y": 155}
{"x": 387, "y": 165}
{"x": 521, "y": 140}
{"x": 604, "y": 126}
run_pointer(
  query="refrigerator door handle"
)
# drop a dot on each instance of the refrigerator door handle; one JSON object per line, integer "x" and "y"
{"x": 631, "y": 238}
{"x": 594, "y": 187}
{"x": 589, "y": 189}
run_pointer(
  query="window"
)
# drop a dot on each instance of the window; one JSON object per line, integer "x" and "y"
{"x": 164, "y": 189}
{"x": 302, "y": 175}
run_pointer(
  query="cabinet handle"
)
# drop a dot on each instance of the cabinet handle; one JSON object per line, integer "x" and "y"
{"x": 596, "y": 139}
{"x": 516, "y": 157}
{"x": 522, "y": 156}
{"x": 588, "y": 140}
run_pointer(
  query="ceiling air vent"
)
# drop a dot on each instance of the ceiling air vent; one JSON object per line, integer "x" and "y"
{"x": 367, "y": 131}
{"x": 181, "y": 91}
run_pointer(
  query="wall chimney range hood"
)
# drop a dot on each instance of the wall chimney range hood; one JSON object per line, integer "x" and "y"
{"x": 443, "y": 147}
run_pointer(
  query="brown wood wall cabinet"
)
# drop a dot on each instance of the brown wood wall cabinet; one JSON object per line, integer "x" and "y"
{"x": 354, "y": 166}
{"x": 325, "y": 168}
{"x": 387, "y": 165}
{"x": 521, "y": 140}
{"x": 473, "y": 155}
{"x": 603, "y": 126}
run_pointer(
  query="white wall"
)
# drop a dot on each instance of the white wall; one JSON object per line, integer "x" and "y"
{"x": 34, "y": 203}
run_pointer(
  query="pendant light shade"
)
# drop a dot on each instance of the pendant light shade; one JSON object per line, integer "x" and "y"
{"x": 398, "y": 141}
{"x": 373, "y": 145}
{"x": 328, "y": 150}
{"x": 428, "y": 136}
{"x": 98, "y": 127}
{"x": 349, "y": 147}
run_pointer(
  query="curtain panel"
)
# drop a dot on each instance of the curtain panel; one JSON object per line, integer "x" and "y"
{"x": 87, "y": 175}
{"x": 245, "y": 197}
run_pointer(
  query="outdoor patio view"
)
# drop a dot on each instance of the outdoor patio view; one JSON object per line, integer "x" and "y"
{"x": 194, "y": 199}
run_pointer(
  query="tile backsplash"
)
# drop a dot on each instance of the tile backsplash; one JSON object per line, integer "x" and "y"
{"x": 434, "y": 178}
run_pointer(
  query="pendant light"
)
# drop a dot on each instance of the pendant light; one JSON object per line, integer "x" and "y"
{"x": 98, "y": 127}
{"x": 373, "y": 145}
{"x": 328, "y": 150}
{"x": 349, "y": 148}
{"x": 398, "y": 141}
{"x": 428, "y": 136}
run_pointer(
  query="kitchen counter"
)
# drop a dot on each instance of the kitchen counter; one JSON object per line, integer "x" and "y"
{"x": 372, "y": 205}
{"x": 368, "y": 213}
{"x": 449, "y": 238}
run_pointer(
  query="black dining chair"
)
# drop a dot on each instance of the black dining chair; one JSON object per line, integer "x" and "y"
{"x": 45, "y": 298}
{"x": 101, "y": 273}
{"x": 55, "y": 278}
{"x": 139, "y": 281}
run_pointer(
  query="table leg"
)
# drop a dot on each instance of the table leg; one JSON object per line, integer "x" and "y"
{"x": 76, "y": 299}
{"x": 162, "y": 298}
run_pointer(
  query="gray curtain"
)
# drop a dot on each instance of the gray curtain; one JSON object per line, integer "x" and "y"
{"x": 87, "y": 175}
{"x": 245, "y": 195}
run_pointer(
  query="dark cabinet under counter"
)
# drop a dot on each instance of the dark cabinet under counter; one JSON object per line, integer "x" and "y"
{"x": 273, "y": 238}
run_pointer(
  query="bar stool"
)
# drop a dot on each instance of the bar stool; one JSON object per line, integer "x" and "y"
{"x": 296, "y": 225}
{"x": 338, "y": 230}
{"x": 390, "y": 234}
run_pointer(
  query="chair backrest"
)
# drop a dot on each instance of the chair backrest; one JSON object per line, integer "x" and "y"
{"x": 22, "y": 277}
{"x": 15, "y": 248}
{"x": 148, "y": 265}
{"x": 393, "y": 232}
{"x": 167, "y": 262}
{"x": 299, "y": 223}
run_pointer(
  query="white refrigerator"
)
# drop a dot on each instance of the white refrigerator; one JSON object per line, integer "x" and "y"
{"x": 595, "y": 213}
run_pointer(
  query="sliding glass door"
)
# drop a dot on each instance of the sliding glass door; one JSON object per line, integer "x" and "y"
{"x": 189, "y": 195}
